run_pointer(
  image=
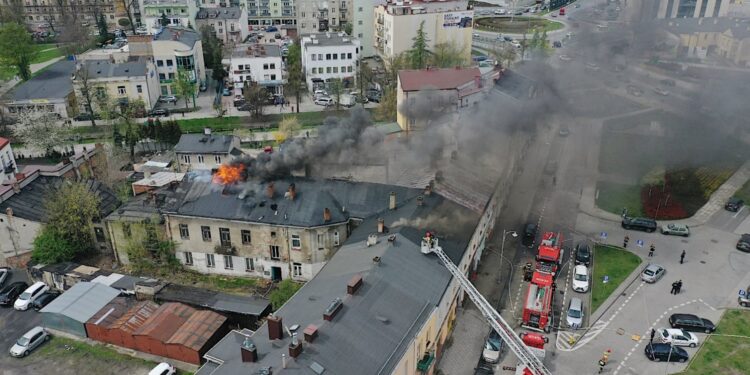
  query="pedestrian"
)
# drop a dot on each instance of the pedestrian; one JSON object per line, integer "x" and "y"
{"x": 651, "y": 252}
{"x": 682, "y": 257}
{"x": 679, "y": 287}
{"x": 653, "y": 332}
{"x": 674, "y": 288}
{"x": 625, "y": 241}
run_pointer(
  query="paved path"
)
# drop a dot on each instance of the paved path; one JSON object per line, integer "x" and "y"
{"x": 7, "y": 86}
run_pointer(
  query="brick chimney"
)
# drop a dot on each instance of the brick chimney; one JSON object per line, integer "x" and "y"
{"x": 295, "y": 347}
{"x": 326, "y": 215}
{"x": 420, "y": 201}
{"x": 381, "y": 225}
{"x": 291, "y": 193}
{"x": 392, "y": 201}
{"x": 428, "y": 189}
{"x": 248, "y": 351}
{"x": 270, "y": 190}
{"x": 275, "y": 327}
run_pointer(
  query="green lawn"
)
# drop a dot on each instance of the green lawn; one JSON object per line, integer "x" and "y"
{"x": 723, "y": 354}
{"x": 614, "y": 262}
{"x": 47, "y": 55}
{"x": 519, "y": 25}
{"x": 46, "y": 52}
{"x": 613, "y": 197}
{"x": 744, "y": 192}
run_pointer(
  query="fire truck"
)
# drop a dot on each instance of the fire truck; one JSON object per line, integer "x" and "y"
{"x": 549, "y": 257}
{"x": 537, "y": 311}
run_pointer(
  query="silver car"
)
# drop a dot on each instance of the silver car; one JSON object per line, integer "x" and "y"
{"x": 652, "y": 273}
{"x": 29, "y": 341}
{"x": 676, "y": 230}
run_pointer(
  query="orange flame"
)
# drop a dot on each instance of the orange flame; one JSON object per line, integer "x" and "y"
{"x": 228, "y": 174}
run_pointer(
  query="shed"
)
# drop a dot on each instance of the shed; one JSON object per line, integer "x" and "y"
{"x": 244, "y": 311}
{"x": 70, "y": 312}
{"x": 116, "y": 322}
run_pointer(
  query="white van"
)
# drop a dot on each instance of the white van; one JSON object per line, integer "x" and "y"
{"x": 29, "y": 295}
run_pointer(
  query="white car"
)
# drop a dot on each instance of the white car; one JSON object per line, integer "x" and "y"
{"x": 574, "y": 317}
{"x": 163, "y": 368}
{"x": 28, "y": 342}
{"x": 676, "y": 230}
{"x": 581, "y": 279}
{"x": 324, "y": 101}
{"x": 500, "y": 12}
{"x": 168, "y": 99}
{"x": 678, "y": 337}
{"x": 565, "y": 58}
{"x": 29, "y": 295}
{"x": 4, "y": 272}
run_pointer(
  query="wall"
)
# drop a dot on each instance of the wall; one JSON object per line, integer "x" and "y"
{"x": 362, "y": 24}
{"x": 234, "y": 30}
{"x": 7, "y": 160}
{"x": 256, "y": 72}
{"x": 190, "y": 162}
{"x": 310, "y": 49}
{"x": 16, "y": 236}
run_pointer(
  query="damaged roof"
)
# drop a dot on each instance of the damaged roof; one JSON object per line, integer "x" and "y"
{"x": 248, "y": 305}
{"x": 197, "y": 330}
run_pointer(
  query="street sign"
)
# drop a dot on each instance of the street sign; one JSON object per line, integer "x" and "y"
{"x": 603, "y": 235}
{"x": 606, "y": 279}
{"x": 742, "y": 292}
{"x": 639, "y": 243}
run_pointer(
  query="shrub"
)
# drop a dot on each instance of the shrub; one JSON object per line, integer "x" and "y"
{"x": 284, "y": 290}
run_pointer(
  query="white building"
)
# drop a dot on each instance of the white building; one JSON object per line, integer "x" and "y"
{"x": 264, "y": 13}
{"x": 177, "y": 12}
{"x": 322, "y": 15}
{"x": 8, "y": 167}
{"x": 327, "y": 56}
{"x": 206, "y": 151}
{"x": 260, "y": 63}
{"x": 229, "y": 24}
{"x": 362, "y": 25}
{"x": 126, "y": 81}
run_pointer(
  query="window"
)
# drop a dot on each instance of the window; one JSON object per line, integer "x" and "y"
{"x": 360, "y": 9}
{"x": 335, "y": 69}
{"x": 273, "y": 234}
{"x": 186, "y": 158}
{"x": 188, "y": 258}
{"x": 349, "y": 56}
{"x": 126, "y": 230}
{"x": 159, "y": 62}
{"x": 328, "y": 56}
{"x": 170, "y": 62}
{"x": 314, "y": 70}
{"x": 184, "y": 233}
{"x": 360, "y": 35}
{"x": 139, "y": 88}
{"x": 200, "y": 159}
{"x": 314, "y": 57}
{"x": 171, "y": 75}
{"x": 320, "y": 56}
{"x": 217, "y": 159}
{"x": 349, "y": 69}
{"x": 224, "y": 237}
{"x": 206, "y": 233}
{"x": 162, "y": 76}
{"x": 121, "y": 90}
{"x": 274, "y": 252}
{"x": 220, "y": 24}
{"x": 246, "y": 238}
{"x": 228, "y": 262}
{"x": 99, "y": 232}
{"x": 328, "y": 69}
{"x": 273, "y": 77}
{"x": 335, "y": 56}
{"x": 210, "y": 263}
{"x": 265, "y": 66}
{"x": 296, "y": 242}
{"x": 335, "y": 238}
{"x": 297, "y": 269}
{"x": 272, "y": 66}
{"x": 360, "y": 22}
{"x": 249, "y": 265}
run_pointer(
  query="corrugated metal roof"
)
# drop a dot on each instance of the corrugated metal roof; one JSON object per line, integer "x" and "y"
{"x": 136, "y": 317}
{"x": 112, "y": 311}
{"x": 82, "y": 301}
{"x": 197, "y": 330}
{"x": 166, "y": 321}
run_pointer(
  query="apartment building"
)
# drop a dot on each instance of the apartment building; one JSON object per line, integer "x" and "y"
{"x": 327, "y": 56}
{"x": 315, "y": 16}
{"x": 259, "y": 63}
{"x": 362, "y": 25}
{"x": 126, "y": 81}
{"x": 723, "y": 38}
{"x": 179, "y": 13}
{"x": 50, "y": 91}
{"x": 206, "y": 151}
{"x": 229, "y": 24}
{"x": 396, "y": 24}
{"x": 264, "y": 13}
{"x": 39, "y": 14}
{"x": 692, "y": 8}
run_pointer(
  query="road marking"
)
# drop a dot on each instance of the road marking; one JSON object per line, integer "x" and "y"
{"x": 709, "y": 306}
{"x": 738, "y": 212}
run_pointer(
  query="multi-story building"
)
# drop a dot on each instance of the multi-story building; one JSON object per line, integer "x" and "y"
{"x": 172, "y": 48}
{"x": 177, "y": 13}
{"x": 327, "y": 56}
{"x": 126, "y": 81}
{"x": 50, "y": 91}
{"x": 314, "y": 16}
{"x": 259, "y": 63}
{"x": 206, "y": 151}
{"x": 692, "y": 8}
{"x": 362, "y": 25}
{"x": 396, "y": 24}
{"x": 8, "y": 167}
{"x": 264, "y": 13}
{"x": 229, "y": 24}
{"x": 39, "y": 14}
{"x": 722, "y": 38}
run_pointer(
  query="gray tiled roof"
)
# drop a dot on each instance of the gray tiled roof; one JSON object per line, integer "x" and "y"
{"x": 187, "y": 37}
{"x": 106, "y": 69}
{"x": 204, "y": 144}
{"x": 29, "y": 203}
{"x": 369, "y": 334}
{"x": 52, "y": 83}
{"x": 230, "y": 13}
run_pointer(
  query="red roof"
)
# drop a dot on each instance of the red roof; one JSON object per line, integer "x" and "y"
{"x": 3, "y": 142}
{"x": 541, "y": 279}
{"x": 165, "y": 321}
{"x": 197, "y": 330}
{"x": 439, "y": 79}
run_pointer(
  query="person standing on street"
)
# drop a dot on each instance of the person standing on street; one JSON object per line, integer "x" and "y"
{"x": 625, "y": 241}
{"x": 653, "y": 332}
{"x": 682, "y": 257}
{"x": 679, "y": 287}
{"x": 674, "y": 288}
{"x": 651, "y": 251}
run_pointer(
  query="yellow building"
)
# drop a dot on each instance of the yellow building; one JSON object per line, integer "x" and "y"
{"x": 725, "y": 38}
{"x": 396, "y": 24}
{"x": 126, "y": 81}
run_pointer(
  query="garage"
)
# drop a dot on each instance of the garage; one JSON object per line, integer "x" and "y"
{"x": 70, "y": 312}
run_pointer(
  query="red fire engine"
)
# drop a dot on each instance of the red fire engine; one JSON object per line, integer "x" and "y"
{"x": 537, "y": 312}
{"x": 550, "y": 254}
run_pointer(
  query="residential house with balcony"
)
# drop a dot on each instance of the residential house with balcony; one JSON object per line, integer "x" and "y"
{"x": 180, "y": 13}
{"x": 396, "y": 24}
{"x": 314, "y": 16}
{"x": 327, "y": 56}
{"x": 39, "y": 14}
{"x": 363, "y": 13}
{"x": 126, "y": 82}
{"x": 229, "y": 24}
{"x": 206, "y": 151}
{"x": 8, "y": 167}
{"x": 265, "y": 13}
{"x": 259, "y": 63}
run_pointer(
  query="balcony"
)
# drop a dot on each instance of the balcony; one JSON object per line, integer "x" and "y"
{"x": 225, "y": 248}
{"x": 424, "y": 364}
{"x": 10, "y": 168}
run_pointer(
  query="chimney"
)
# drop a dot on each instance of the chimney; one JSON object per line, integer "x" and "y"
{"x": 392, "y": 201}
{"x": 275, "y": 328}
{"x": 311, "y": 333}
{"x": 428, "y": 189}
{"x": 354, "y": 284}
{"x": 249, "y": 351}
{"x": 291, "y": 193}
{"x": 207, "y": 131}
{"x": 326, "y": 215}
{"x": 295, "y": 347}
{"x": 381, "y": 225}
{"x": 16, "y": 187}
{"x": 420, "y": 201}
{"x": 146, "y": 173}
{"x": 270, "y": 190}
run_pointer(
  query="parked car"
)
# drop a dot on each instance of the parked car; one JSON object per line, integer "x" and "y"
{"x": 564, "y": 58}
{"x": 29, "y": 295}
{"x": 85, "y": 116}
{"x": 665, "y": 352}
{"x": 361, "y": 98}
{"x": 690, "y": 322}
{"x": 581, "y": 279}
{"x": 676, "y": 230}
{"x": 168, "y": 99}
{"x": 661, "y": 91}
{"x": 563, "y": 131}
{"x": 29, "y": 341}
{"x": 734, "y": 204}
{"x": 678, "y": 337}
{"x": 44, "y": 300}
{"x": 639, "y": 223}
{"x": 374, "y": 96}
{"x": 652, "y": 273}
{"x": 324, "y": 101}
{"x": 203, "y": 87}
{"x": 668, "y": 82}
{"x": 4, "y": 272}
{"x": 744, "y": 299}
{"x": 163, "y": 369}
{"x": 484, "y": 369}
{"x": 11, "y": 292}
{"x": 226, "y": 92}
{"x": 529, "y": 234}
{"x": 557, "y": 44}
{"x": 744, "y": 243}
{"x": 159, "y": 112}
{"x": 493, "y": 346}
{"x": 320, "y": 94}
{"x": 583, "y": 254}
{"x": 272, "y": 29}
{"x": 574, "y": 317}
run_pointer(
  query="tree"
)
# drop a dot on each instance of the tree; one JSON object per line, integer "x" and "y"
{"x": 448, "y": 55}
{"x": 164, "y": 20}
{"x": 87, "y": 90}
{"x": 505, "y": 53}
{"x": 76, "y": 39}
{"x": 539, "y": 47}
{"x": 17, "y": 49}
{"x": 42, "y": 131}
{"x": 387, "y": 109}
{"x": 51, "y": 247}
{"x": 288, "y": 128}
{"x": 256, "y": 96}
{"x": 101, "y": 25}
{"x": 348, "y": 28}
{"x": 295, "y": 79}
{"x": 12, "y": 11}
{"x": 70, "y": 210}
{"x": 365, "y": 78}
{"x": 394, "y": 64}
{"x": 283, "y": 292}
{"x": 125, "y": 127}
{"x": 184, "y": 86}
{"x": 336, "y": 89}
{"x": 419, "y": 54}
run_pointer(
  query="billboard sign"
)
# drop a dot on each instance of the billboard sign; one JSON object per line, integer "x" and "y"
{"x": 458, "y": 19}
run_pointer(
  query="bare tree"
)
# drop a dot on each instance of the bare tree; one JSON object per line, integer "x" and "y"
{"x": 87, "y": 90}
{"x": 128, "y": 6}
{"x": 76, "y": 38}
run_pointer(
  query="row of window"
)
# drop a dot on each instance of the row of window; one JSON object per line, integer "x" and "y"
{"x": 200, "y": 158}
{"x": 122, "y": 90}
{"x": 226, "y": 238}
{"x": 169, "y": 62}
{"x": 266, "y": 77}
{"x": 332, "y": 56}
{"x": 229, "y": 263}
{"x": 334, "y": 69}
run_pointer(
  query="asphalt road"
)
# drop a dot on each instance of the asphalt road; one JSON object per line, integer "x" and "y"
{"x": 13, "y": 324}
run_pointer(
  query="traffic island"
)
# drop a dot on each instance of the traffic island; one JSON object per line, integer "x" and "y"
{"x": 612, "y": 265}
{"x": 725, "y": 351}
{"x": 517, "y": 25}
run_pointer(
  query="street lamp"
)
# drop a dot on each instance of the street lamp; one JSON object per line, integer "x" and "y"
{"x": 502, "y": 244}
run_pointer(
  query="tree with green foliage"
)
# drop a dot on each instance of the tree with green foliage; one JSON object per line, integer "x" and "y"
{"x": 448, "y": 55}
{"x": 86, "y": 90}
{"x": 419, "y": 54}
{"x": 51, "y": 247}
{"x": 213, "y": 53}
{"x": 386, "y": 111}
{"x": 505, "y": 54}
{"x": 348, "y": 28}
{"x": 295, "y": 79}
{"x": 256, "y": 96}
{"x": 539, "y": 47}
{"x": 123, "y": 116}
{"x": 17, "y": 49}
{"x": 184, "y": 86}
{"x": 101, "y": 25}
{"x": 336, "y": 89}
{"x": 149, "y": 250}
{"x": 164, "y": 20}
{"x": 285, "y": 289}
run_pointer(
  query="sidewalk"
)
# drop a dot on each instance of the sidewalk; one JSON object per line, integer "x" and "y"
{"x": 9, "y": 85}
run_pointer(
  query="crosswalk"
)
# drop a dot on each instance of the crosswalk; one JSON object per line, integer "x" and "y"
{"x": 568, "y": 341}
